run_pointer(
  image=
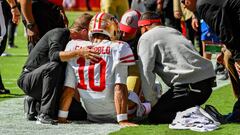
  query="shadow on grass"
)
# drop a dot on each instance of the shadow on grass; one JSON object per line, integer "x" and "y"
{"x": 9, "y": 96}
{"x": 141, "y": 120}
{"x": 12, "y": 95}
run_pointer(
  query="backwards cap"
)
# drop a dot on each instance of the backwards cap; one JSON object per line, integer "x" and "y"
{"x": 129, "y": 21}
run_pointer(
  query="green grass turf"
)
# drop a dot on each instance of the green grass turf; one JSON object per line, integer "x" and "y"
{"x": 10, "y": 68}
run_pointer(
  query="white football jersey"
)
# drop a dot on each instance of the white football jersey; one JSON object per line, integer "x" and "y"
{"x": 95, "y": 81}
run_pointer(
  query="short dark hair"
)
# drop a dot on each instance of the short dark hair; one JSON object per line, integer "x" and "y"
{"x": 82, "y": 22}
{"x": 149, "y": 15}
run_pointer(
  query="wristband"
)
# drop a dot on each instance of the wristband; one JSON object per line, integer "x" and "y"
{"x": 14, "y": 7}
{"x": 62, "y": 114}
{"x": 122, "y": 117}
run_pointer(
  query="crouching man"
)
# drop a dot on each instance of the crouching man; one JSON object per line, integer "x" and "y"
{"x": 166, "y": 52}
{"x": 43, "y": 72}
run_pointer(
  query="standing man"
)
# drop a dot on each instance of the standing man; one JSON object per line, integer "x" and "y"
{"x": 40, "y": 16}
{"x": 15, "y": 18}
{"x": 223, "y": 17}
{"x": 165, "y": 52}
{"x": 101, "y": 84}
{"x": 43, "y": 72}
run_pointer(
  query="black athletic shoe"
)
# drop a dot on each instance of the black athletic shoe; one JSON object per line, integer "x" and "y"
{"x": 45, "y": 119}
{"x": 31, "y": 108}
{"x": 4, "y": 91}
{"x": 233, "y": 117}
{"x": 216, "y": 115}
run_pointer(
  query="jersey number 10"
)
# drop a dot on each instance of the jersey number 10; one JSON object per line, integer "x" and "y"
{"x": 82, "y": 84}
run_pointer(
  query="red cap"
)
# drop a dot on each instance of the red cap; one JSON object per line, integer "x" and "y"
{"x": 129, "y": 21}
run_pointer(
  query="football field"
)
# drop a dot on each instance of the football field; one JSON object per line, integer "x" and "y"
{"x": 12, "y": 120}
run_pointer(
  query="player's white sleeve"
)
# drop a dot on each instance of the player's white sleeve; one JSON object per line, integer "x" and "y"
{"x": 70, "y": 79}
{"x": 121, "y": 74}
{"x": 69, "y": 46}
{"x": 126, "y": 55}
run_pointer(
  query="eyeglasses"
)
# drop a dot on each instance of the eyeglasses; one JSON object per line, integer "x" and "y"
{"x": 182, "y": 1}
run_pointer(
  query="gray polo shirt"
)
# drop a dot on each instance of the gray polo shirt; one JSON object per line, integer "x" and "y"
{"x": 164, "y": 51}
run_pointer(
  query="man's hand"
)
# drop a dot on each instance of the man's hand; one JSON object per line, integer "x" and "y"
{"x": 15, "y": 15}
{"x": 63, "y": 120}
{"x": 33, "y": 34}
{"x": 91, "y": 54}
{"x": 237, "y": 65}
{"x": 177, "y": 14}
{"x": 14, "y": 10}
{"x": 220, "y": 57}
{"x": 127, "y": 124}
{"x": 195, "y": 23}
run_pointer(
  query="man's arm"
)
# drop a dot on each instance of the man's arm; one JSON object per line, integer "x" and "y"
{"x": 14, "y": 10}
{"x": 121, "y": 95}
{"x": 120, "y": 99}
{"x": 12, "y": 3}
{"x": 65, "y": 19}
{"x": 67, "y": 95}
{"x": 177, "y": 9}
{"x": 83, "y": 52}
{"x": 26, "y": 7}
{"x": 64, "y": 104}
{"x": 146, "y": 64}
{"x": 33, "y": 33}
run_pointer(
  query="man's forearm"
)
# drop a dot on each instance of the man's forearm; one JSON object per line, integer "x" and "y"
{"x": 26, "y": 8}
{"x": 67, "y": 55}
{"x": 65, "y": 101}
{"x": 120, "y": 98}
{"x": 12, "y": 3}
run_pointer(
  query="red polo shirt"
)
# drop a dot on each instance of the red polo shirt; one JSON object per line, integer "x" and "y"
{"x": 56, "y": 2}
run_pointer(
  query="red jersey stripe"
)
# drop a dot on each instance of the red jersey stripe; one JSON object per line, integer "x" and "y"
{"x": 128, "y": 61}
{"x": 128, "y": 56}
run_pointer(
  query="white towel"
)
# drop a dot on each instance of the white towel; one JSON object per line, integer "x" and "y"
{"x": 193, "y": 119}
